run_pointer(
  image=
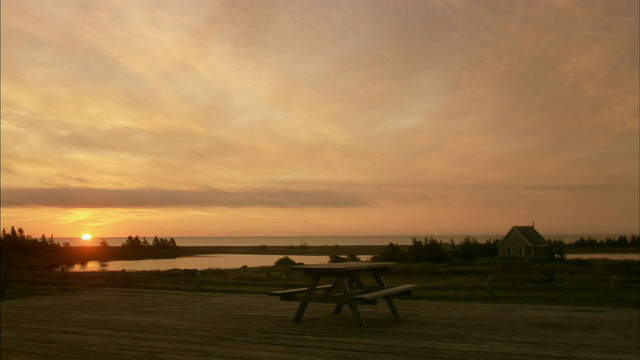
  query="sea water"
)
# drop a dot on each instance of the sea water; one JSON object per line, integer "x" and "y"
{"x": 200, "y": 262}
{"x": 309, "y": 240}
{"x": 279, "y": 240}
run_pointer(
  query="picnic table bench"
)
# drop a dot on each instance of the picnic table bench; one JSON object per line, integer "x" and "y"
{"x": 347, "y": 288}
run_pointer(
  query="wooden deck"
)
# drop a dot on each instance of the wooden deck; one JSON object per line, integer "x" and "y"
{"x": 141, "y": 324}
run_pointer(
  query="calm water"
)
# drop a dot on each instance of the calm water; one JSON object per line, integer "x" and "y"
{"x": 632, "y": 256}
{"x": 257, "y": 240}
{"x": 233, "y": 261}
{"x": 200, "y": 262}
{"x": 309, "y": 240}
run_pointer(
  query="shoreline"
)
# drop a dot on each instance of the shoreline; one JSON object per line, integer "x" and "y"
{"x": 69, "y": 256}
{"x": 357, "y": 250}
{"x": 331, "y": 250}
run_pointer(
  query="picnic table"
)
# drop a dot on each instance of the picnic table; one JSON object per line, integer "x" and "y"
{"x": 347, "y": 288}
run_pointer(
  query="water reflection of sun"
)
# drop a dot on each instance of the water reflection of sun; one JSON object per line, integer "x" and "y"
{"x": 86, "y": 237}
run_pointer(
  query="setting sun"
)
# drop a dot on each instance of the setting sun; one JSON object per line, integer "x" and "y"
{"x": 86, "y": 237}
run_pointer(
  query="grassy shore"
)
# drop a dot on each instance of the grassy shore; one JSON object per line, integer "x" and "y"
{"x": 521, "y": 281}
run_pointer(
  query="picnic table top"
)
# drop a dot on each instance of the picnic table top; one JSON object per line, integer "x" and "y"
{"x": 343, "y": 267}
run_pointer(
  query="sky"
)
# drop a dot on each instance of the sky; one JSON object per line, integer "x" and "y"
{"x": 296, "y": 118}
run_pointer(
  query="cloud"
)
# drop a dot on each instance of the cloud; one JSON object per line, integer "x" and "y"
{"x": 159, "y": 198}
{"x": 369, "y": 103}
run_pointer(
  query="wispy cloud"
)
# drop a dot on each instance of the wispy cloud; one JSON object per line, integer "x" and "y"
{"x": 156, "y": 198}
{"x": 351, "y": 97}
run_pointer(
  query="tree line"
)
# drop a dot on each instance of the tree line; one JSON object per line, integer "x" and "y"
{"x": 621, "y": 241}
{"x": 559, "y": 247}
{"x": 16, "y": 241}
{"x": 21, "y": 250}
{"x": 20, "y": 242}
{"x": 136, "y": 243}
{"x": 430, "y": 250}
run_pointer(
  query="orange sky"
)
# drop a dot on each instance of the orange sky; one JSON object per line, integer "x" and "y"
{"x": 177, "y": 118}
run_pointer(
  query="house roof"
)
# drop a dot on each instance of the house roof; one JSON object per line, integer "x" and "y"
{"x": 530, "y": 234}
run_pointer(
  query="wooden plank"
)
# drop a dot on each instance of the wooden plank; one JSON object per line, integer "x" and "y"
{"x": 298, "y": 290}
{"x": 379, "y": 294}
{"x": 357, "y": 265}
{"x": 135, "y": 324}
{"x": 337, "y": 269}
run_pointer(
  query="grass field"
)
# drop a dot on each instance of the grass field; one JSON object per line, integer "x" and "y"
{"x": 519, "y": 281}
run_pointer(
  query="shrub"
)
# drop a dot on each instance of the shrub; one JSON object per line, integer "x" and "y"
{"x": 285, "y": 261}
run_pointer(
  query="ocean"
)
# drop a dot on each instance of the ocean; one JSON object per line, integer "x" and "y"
{"x": 233, "y": 261}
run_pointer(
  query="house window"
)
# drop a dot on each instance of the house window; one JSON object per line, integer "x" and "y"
{"x": 513, "y": 237}
{"x": 520, "y": 251}
{"x": 508, "y": 250}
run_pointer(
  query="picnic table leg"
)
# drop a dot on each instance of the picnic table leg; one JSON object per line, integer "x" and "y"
{"x": 392, "y": 307}
{"x": 356, "y": 314}
{"x": 340, "y": 285}
{"x": 356, "y": 279}
{"x": 303, "y": 304}
{"x": 389, "y": 300}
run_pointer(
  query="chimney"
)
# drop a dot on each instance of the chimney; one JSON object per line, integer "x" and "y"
{"x": 533, "y": 224}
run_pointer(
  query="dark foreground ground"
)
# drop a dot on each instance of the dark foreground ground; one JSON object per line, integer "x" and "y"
{"x": 108, "y": 323}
